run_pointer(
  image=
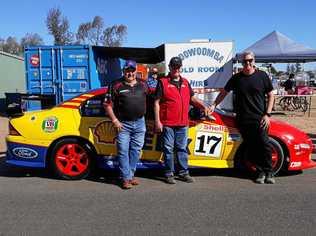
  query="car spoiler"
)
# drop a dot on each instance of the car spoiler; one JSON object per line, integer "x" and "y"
{"x": 18, "y": 103}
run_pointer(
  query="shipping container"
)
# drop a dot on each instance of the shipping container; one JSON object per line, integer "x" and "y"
{"x": 68, "y": 70}
{"x": 63, "y": 72}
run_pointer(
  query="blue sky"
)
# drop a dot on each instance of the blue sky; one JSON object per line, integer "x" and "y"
{"x": 151, "y": 23}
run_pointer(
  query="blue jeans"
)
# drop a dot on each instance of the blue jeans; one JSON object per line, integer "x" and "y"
{"x": 175, "y": 139}
{"x": 130, "y": 141}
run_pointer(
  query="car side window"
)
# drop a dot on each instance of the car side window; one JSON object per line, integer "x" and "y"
{"x": 93, "y": 107}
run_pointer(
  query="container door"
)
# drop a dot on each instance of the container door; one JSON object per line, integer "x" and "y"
{"x": 40, "y": 71}
{"x": 73, "y": 72}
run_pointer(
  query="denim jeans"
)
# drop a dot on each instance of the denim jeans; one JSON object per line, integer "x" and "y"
{"x": 174, "y": 139}
{"x": 130, "y": 141}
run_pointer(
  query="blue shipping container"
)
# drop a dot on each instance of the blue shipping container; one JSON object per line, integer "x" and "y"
{"x": 66, "y": 71}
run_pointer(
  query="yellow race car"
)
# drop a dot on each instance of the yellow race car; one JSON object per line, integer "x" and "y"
{"x": 76, "y": 135}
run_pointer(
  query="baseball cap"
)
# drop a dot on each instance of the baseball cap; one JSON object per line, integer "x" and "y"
{"x": 130, "y": 64}
{"x": 175, "y": 62}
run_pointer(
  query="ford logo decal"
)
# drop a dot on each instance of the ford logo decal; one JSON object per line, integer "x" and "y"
{"x": 23, "y": 152}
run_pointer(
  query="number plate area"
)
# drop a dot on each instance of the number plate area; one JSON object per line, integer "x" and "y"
{"x": 208, "y": 144}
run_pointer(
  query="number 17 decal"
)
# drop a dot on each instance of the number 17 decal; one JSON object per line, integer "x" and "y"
{"x": 208, "y": 144}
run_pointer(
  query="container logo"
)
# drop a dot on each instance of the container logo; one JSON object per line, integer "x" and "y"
{"x": 23, "y": 152}
{"x": 50, "y": 124}
{"x": 34, "y": 60}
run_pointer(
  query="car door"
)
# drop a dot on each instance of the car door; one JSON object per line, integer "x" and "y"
{"x": 212, "y": 143}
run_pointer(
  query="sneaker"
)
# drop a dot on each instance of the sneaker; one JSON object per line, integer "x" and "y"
{"x": 269, "y": 179}
{"x": 186, "y": 178}
{"x": 170, "y": 180}
{"x": 126, "y": 184}
{"x": 134, "y": 181}
{"x": 261, "y": 178}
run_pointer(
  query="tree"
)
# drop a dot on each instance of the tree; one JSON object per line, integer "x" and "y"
{"x": 298, "y": 67}
{"x": 273, "y": 70}
{"x": 2, "y": 42}
{"x": 288, "y": 68}
{"x": 293, "y": 69}
{"x": 11, "y": 45}
{"x": 31, "y": 39}
{"x": 91, "y": 32}
{"x": 58, "y": 26}
{"x": 94, "y": 33}
{"x": 113, "y": 36}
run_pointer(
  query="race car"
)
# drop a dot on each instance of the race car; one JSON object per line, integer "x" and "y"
{"x": 75, "y": 136}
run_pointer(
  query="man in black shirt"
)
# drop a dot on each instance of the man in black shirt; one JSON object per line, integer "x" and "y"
{"x": 289, "y": 84}
{"x": 127, "y": 96}
{"x": 251, "y": 86}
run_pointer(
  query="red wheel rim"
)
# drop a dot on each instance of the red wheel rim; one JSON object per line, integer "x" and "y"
{"x": 71, "y": 159}
{"x": 275, "y": 158}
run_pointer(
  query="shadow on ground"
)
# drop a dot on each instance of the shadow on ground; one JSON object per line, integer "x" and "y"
{"x": 111, "y": 176}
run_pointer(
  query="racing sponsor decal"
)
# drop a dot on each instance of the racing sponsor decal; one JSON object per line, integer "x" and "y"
{"x": 105, "y": 132}
{"x": 34, "y": 60}
{"x": 213, "y": 128}
{"x": 295, "y": 164}
{"x": 50, "y": 124}
{"x": 208, "y": 144}
{"x": 24, "y": 152}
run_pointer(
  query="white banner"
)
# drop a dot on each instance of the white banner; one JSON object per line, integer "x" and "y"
{"x": 205, "y": 64}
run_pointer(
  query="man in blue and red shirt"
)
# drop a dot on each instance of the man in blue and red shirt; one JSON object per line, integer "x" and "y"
{"x": 125, "y": 104}
{"x": 173, "y": 98}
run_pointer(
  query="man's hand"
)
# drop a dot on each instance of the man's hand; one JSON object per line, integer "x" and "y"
{"x": 158, "y": 127}
{"x": 212, "y": 108}
{"x": 117, "y": 124}
{"x": 265, "y": 122}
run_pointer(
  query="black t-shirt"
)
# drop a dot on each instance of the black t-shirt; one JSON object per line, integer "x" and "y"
{"x": 288, "y": 84}
{"x": 129, "y": 101}
{"x": 250, "y": 95}
{"x": 159, "y": 88}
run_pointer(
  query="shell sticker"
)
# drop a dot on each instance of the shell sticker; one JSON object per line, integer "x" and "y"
{"x": 50, "y": 124}
{"x": 105, "y": 132}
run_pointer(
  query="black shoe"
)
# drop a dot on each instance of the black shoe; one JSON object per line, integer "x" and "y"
{"x": 261, "y": 178}
{"x": 170, "y": 180}
{"x": 186, "y": 178}
{"x": 269, "y": 178}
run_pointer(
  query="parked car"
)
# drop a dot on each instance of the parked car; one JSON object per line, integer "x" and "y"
{"x": 76, "y": 135}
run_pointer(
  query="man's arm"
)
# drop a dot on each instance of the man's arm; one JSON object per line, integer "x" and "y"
{"x": 158, "y": 125}
{"x": 265, "y": 121}
{"x": 270, "y": 102}
{"x": 220, "y": 97}
{"x": 109, "y": 110}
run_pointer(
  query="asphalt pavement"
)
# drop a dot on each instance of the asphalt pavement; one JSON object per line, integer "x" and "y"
{"x": 220, "y": 202}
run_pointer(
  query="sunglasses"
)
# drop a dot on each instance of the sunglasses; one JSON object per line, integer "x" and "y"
{"x": 245, "y": 61}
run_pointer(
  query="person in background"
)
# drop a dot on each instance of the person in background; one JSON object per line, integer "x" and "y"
{"x": 173, "y": 98}
{"x": 125, "y": 103}
{"x": 251, "y": 88}
{"x": 153, "y": 78}
{"x": 289, "y": 84}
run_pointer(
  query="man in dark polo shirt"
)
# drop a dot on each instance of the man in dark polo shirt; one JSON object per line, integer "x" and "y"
{"x": 125, "y": 103}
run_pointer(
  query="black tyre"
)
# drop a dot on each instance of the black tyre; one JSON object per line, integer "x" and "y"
{"x": 278, "y": 158}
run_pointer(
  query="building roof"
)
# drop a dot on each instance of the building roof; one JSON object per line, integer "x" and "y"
{"x": 11, "y": 55}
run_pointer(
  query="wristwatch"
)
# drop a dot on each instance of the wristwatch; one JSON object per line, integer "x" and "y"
{"x": 268, "y": 114}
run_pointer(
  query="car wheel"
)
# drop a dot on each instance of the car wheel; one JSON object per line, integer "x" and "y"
{"x": 278, "y": 159}
{"x": 277, "y": 156}
{"x": 71, "y": 159}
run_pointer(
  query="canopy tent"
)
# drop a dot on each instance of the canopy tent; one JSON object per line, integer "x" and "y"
{"x": 277, "y": 48}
